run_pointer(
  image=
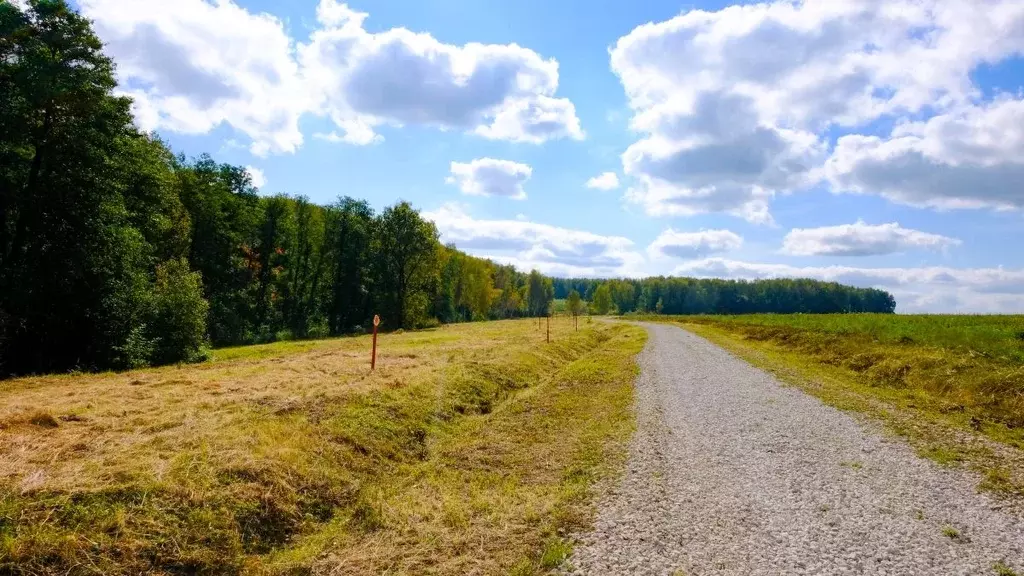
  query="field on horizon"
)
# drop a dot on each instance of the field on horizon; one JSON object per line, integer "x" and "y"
{"x": 471, "y": 448}
{"x": 998, "y": 336}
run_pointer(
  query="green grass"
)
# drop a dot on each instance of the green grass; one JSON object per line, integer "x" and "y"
{"x": 952, "y": 385}
{"x": 950, "y": 532}
{"x": 1001, "y": 569}
{"x": 995, "y": 337}
{"x": 472, "y": 448}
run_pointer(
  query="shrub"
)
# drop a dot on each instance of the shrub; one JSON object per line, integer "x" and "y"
{"x": 428, "y": 322}
{"x": 137, "y": 350}
{"x": 178, "y": 327}
{"x": 319, "y": 329}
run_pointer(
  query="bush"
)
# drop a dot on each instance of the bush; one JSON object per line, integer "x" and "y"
{"x": 319, "y": 329}
{"x": 428, "y": 323}
{"x": 178, "y": 327}
{"x": 137, "y": 350}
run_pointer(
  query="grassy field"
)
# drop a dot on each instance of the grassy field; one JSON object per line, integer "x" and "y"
{"x": 471, "y": 450}
{"x": 952, "y": 385}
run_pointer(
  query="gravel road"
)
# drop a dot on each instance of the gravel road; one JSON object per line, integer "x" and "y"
{"x": 732, "y": 473}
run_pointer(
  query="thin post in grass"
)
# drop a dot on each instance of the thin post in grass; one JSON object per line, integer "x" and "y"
{"x": 373, "y": 355}
{"x": 549, "y": 329}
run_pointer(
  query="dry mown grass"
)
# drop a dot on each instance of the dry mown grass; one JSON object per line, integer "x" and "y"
{"x": 465, "y": 452}
{"x": 953, "y": 385}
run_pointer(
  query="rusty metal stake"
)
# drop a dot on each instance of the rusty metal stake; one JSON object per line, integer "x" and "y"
{"x": 373, "y": 356}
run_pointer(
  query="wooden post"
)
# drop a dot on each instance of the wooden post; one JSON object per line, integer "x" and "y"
{"x": 373, "y": 356}
{"x": 549, "y": 329}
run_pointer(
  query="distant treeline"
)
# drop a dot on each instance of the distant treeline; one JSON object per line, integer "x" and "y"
{"x": 661, "y": 295}
{"x": 116, "y": 253}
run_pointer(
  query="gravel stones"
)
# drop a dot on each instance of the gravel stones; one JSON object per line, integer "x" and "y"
{"x": 730, "y": 472}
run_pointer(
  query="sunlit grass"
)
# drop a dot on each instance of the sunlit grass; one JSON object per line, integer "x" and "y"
{"x": 997, "y": 337}
{"x": 467, "y": 450}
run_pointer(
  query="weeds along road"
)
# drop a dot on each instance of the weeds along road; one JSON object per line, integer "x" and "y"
{"x": 732, "y": 473}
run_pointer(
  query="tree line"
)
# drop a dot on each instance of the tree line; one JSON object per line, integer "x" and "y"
{"x": 671, "y": 295}
{"x": 116, "y": 253}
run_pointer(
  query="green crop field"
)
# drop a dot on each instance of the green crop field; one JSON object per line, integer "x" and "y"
{"x": 999, "y": 337}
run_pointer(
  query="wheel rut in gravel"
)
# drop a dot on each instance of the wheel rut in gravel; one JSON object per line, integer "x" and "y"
{"x": 731, "y": 472}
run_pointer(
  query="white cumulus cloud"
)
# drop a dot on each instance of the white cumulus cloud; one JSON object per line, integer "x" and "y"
{"x": 398, "y": 77}
{"x": 970, "y": 157}
{"x": 490, "y": 177}
{"x": 194, "y": 65}
{"x": 687, "y": 245}
{"x": 604, "y": 181}
{"x": 733, "y": 106}
{"x": 259, "y": 180}
{"x": 861, "y": 239}
{"x": 551, "y": 249}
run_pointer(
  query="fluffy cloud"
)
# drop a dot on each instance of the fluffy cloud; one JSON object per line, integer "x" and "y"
{"x": 191, "y": 66}
{"x": 971, "y": 157}
{"x": 715, "y": 156}
{"x": 400, "y": 77}
{"x": 490, "y": 177}
{"x": 605, "y": 181}
{"x": 928, "y": 289}
{"x": 733, "y": 105}
{"x": 860, "y": 239}
{"x": 533, "y": 120}
{"x": 194, "y": 65}
{"x": 259, "y": 179}
{"x": 550, "y": 249}
{"x": 686, "y": 245}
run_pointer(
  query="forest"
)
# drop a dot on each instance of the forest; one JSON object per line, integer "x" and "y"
{"x": 661, "y": 295}
{"x": 116, "y": 253}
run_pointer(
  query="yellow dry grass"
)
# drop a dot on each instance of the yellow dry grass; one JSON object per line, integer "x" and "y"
{"x": 108, "y": 424}
{"x": 465, "y": 452}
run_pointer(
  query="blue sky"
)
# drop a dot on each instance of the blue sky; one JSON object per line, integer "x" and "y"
{"x": 878, "y": 143}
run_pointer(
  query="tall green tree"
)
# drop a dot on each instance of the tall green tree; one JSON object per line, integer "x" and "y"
{"x": 266, "y": 260}
{"x": 73, "y": 268}
{"x": 575, "y": 305}
{"x": 603, "y": 299}
{"x": 349, "y": 235}
{"x": 306, "y": 269}
{"x": 540, "y": 293}
{"x": 405, "y": 253}
{"x": 225, "y": 213}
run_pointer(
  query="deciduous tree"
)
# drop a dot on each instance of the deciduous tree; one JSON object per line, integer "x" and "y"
{"x": 575, "y": 305}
